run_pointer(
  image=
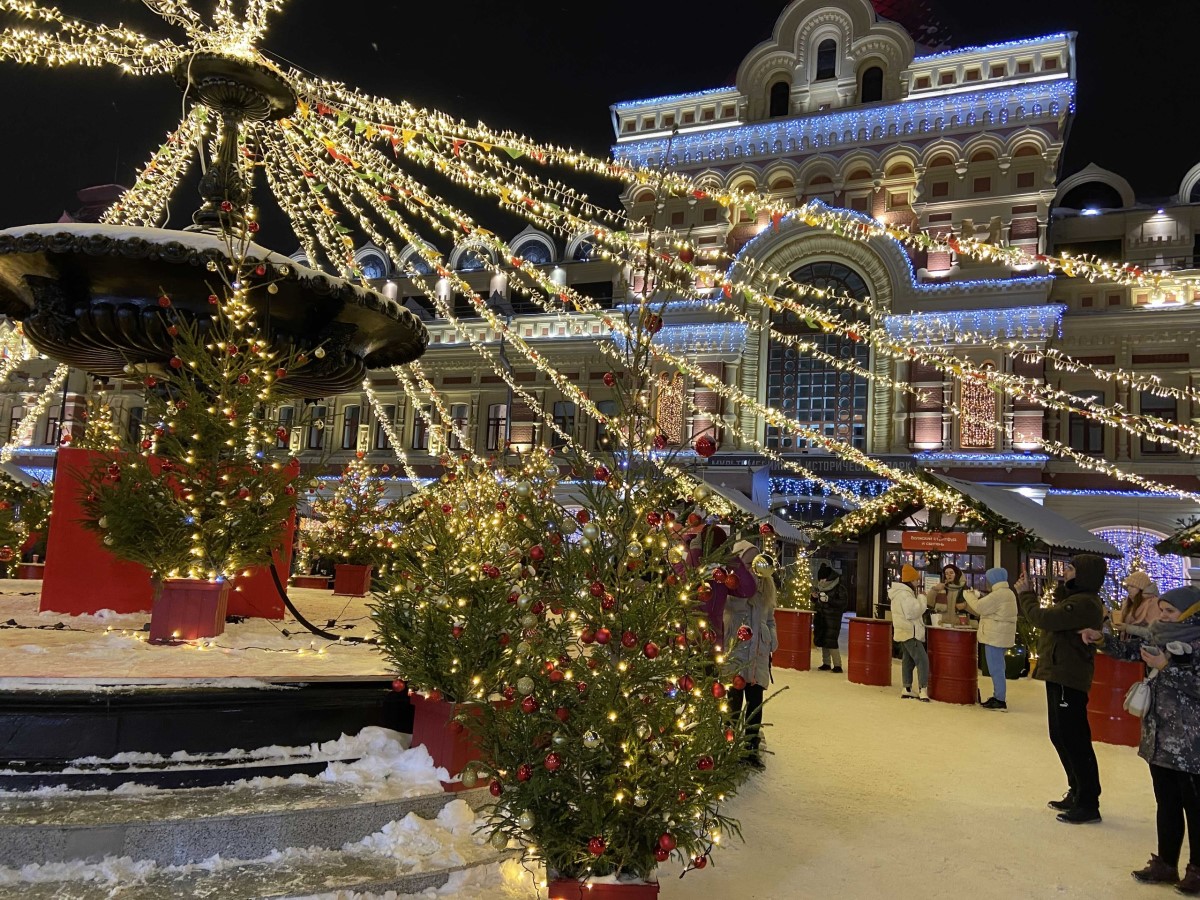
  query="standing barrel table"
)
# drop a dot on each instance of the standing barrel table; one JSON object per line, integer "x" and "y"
{"x": 794, "y": 628}
{"x": 870, "y": 652}
{"x": 1109, "y": 722}
{"x": 953, "y": 665}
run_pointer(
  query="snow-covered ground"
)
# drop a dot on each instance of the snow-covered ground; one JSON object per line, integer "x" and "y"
{"x": 107, "y": 645}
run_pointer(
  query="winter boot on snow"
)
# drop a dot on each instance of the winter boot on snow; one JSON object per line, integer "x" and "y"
{"x": 993, "y": 703}
{"x": 1067, "y": 802}
{"x": 907, "y": 694}
{"x": 1191, "y": 881}
{"x": 837, "y": 670}
{"x": 1157, "y": 872}
{"x": 924, "y": 698}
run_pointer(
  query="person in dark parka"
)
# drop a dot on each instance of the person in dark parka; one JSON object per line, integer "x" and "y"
{"x": 830, "y": 600}
{"x": 1067, "y": 665}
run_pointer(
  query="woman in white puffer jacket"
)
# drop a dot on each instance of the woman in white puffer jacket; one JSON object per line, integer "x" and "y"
{"x": 908, "y": 630}
{"x": 997, "y": 611}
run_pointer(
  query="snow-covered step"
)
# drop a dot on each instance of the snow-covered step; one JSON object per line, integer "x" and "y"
{"x": 405, "y": 857}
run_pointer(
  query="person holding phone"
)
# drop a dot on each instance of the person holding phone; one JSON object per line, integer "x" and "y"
{"x": 1067, "y": 665}
{"x": 1170, "y": 730}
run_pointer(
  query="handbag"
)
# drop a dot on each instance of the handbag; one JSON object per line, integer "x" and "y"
{"x": 1137, "y": 698}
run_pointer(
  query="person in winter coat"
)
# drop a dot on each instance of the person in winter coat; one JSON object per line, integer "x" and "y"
{"x": 997, "y": 612}
{"x": 830, "y": 600}
{"x": 708, "y": 544}
{"x": 953, "y": 584}
{"x": 750, "y": 627}
{"x": 1067, "y": 665}
{"x": 1140, "y": 608}
{"x": 908, "y": 629}
{"x": 1170, "y": 730}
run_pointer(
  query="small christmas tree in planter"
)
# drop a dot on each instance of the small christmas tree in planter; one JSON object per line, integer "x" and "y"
{"x": 201, "y": 497}
{"x": 794, "y": 618}
{"x": 355, "y": 528}
{"x": 455, "y": 604}
{"x": 24, "y": 517}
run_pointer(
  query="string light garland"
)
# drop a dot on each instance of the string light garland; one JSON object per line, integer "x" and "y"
{"x": 24, "y": 431}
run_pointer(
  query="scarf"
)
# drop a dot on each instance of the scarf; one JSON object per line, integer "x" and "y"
{"x": 828, "y": 586}
{"x": 1186, "y": 630}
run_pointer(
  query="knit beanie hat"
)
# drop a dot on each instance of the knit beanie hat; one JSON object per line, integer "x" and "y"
{"x": 1182, "y": 598}
{"x": 995, "y": 576}
{"x": 908, "y": 574}
{"x": 1090, "y": 570}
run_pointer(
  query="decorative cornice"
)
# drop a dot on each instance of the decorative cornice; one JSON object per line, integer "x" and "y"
{"x": 1030, "y": 323}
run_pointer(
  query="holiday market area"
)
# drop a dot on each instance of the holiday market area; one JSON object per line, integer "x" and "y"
{"x": 798, "y": 498}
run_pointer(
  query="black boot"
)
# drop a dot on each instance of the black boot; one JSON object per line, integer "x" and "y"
{"x": 1066, "y": 803}
{"x": 1079, "y": 816}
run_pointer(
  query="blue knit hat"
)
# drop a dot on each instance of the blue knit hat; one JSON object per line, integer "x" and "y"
{"x": 1182, "y": 598}
{"x": 995, "y": 576}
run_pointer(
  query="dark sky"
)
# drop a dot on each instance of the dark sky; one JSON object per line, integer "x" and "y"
{"x": 550, "y": 68}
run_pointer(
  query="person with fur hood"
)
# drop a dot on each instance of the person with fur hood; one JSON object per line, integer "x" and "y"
{"x": 750, "y": 628}
{"x": 830, "y": 600}
{"x": 1067, "y": 665}
{"x": 1170, "y": 729}
{"x": 908, "y": 630}
{"x": 997, "y": 613}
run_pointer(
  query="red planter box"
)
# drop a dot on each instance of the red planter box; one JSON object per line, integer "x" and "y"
{"x": 795, "y": 629}
{"x": 1109, "y": 722}
{"x": 450, "y": 749}
{"x": 314, "y": 582}
{"x": 953, "y": 665}
{"x": 31, "y": 571}
{"x": 870, "y": 652}
{"x": 565, "y": 889}
{"x": 352, "y": 581}
{"x": 187, "y": 609}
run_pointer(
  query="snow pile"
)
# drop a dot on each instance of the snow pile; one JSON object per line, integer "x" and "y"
{"x": 416, "y": 843}
{"x": 507, "y": 880}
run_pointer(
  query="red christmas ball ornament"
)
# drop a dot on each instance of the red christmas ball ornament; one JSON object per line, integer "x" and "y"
{"x": 700, "y": 862}
{"x": 491, "y": 571}
{"x": 650, "y": 649}
{"x": 654, "y": 518}
{"x": 435, "y": 696}
{"x": 597, "y": 589}
{"x": 708, "y": 635}
{"x": 504, "y": 639}
{"x": 596, "y": 846}
{"x": 495, "y": 788}
{"x": 704, "y": 592}
{"x": 667, "y": 841}
{"x": 766, "y": 528}
{"x": 744, "y": 633}
{"x": 253, "y": 227}
{"x": 695, "y": 519}
{"x": 537, "y": 553}
{"x": 739, "y": 683}
{"x": 553, "y": 762}
{"x": 524, "y": 772}
{"x": 686, "y": 255}
{"x": 537, "y": 608}
{"x": 660, "y": 442}
{"x": 629, "y": 639}
{"x": 603, "y": 636}
{"x": 243, "y": 378}
{"x": 588, "y": 636}
{"x": 508, "y": 692}
{"x": 602, "y": 473}
{"x": 260, "y": 270}
{"x": 501, "y": 506}
{"x": 654, "y": 323}
{"x": 214, "y": 299}
{"x": 146, "y": 445}
{"x": 729, "y": 735}
{"x": 609, "y": 379}
{"x": 150, "y": 381}
{"x": 718, "y": 690}
{"x": 226, "y": 206}
{"x": 281, "y": 433}
{"x": 243, "y": 493}
{"x": 705, "y": 763}
{"x": 562, "y": 714}
{"x": 556, "y": 676}
{"x": 608, "y": 602}
{"x": 583, "y": 517}
{"x": 661, "y": 855}
{"x": 593, "y": 662}
{"x": 705, "y": 446}
{"x": 719, "y": 574}
{"x": 399, "y": 685}
{"x": 172, "y": 330}
{"x": 529, "y": 705}
{"x": 581, "y": 687}
{"x": 175, "y": 362}
{"x": 732, "y": 581}
{"x": 681, "y": 640}
{"x": 164, "y": 301}
{"x": 457, "y": 631}
{"x": 686, "y": 683}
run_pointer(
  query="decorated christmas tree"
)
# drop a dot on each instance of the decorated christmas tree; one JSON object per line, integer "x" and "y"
{"x": 203, "y": 493}
{"x": 356, "y": 521}
{"x": 24, "y": 511}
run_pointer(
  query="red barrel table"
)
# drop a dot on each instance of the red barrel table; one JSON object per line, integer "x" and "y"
{"x": 953, "y": 665}
{"x": 1109, "y": 722}
{"x": 794, "y": 627}
{"x": 870, "y": 652}
{"x": 317, "y": 582}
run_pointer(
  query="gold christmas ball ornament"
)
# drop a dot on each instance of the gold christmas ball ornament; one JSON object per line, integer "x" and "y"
{"x": 701, "y": 493}
{"x": 634, "y": 550}
{"x": 591, "y": 531}
{"x": 469, "y": 778}
{"x": 525, "y": 685}
{"x": 498, "y": 840}
{"x": 676, "y": 553}
{"x": 524, "y": 489}
{"x": 591, "y": 739}
{"x": 319, "y": 353}
{"x": 525, "y": 820}
{"x": 763, "y": 565}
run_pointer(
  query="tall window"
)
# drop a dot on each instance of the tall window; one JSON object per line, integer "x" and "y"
{"x": 872, "y": 85}
{"x": 606, "y": 408}
{"x": 827, "y": 59}
{"x": 1165, "y": 408}
{"x": 287, "y": 415}
{"x": 136, "y": 413}
{"x": 976, "y": 429}
{"x": 381, "y": 438}
{"x": 14, "y": 421}
{"x": 781, "y": 99}
{"x": 351, "y": 415}
{"x": 456, "y": 426}
{"x": 1086, "y": 434}
{"x": 420, "y": 439}
{"x": 809, "y": 388}
{"x": 671, "y": 407}
{"x": 564, "y": 420}
{"x": 497, "y": 425}
{"x": 53, "y": 432}
{"x": 316, "y": 431}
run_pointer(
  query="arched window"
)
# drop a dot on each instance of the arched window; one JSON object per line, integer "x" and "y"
{"x": 983, "y": 156}
{"x": 781, "y": 99}
{"x": 583, "y": 252}
{"x": 470, "y": 262}
{"x": 826, "y": 59}
{"x": 809, "y": 388}
{"x": 1092, "y": 195}
{"x": 373, "y": 266}
{"x": 418, "y": 264}
{"x": 872, "y": 85}
{"x": 534, "y": 252}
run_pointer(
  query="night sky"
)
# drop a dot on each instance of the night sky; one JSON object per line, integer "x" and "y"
{"x": 542, "y": 68}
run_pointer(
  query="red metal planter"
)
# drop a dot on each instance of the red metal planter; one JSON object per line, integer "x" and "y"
{"x": 31, "y": 571}
{"x": 566, "y": 889}
{"x": 314, "y": 582}
{"x": 352, "y": 581}
{"x": 870, "y": 652}
{"x": 452, "y": 749}
{"x": 187, "y": 609}
{"x": 795, "y": 630}
{"x": 1106, "y": 701}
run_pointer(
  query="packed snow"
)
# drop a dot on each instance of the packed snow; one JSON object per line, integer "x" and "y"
{"x": 108, "y": 648}
{"x": 507, "y": 880}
